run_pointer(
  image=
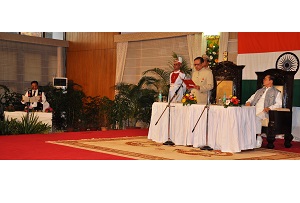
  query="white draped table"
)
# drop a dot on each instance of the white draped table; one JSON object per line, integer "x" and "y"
{"x": 296, "y": 123}
{"x": 42, "y": 116}
{"x": 230, "y": 129}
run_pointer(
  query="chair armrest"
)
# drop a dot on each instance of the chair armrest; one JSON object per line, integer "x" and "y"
{"x": 281, "y": 109}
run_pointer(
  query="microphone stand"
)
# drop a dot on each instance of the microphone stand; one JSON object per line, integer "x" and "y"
{"x": 207, "y": 106}
{"x": 169, "y": 142}
{"x": 207, "y": 147}
{"x": 27, "y": 113}
{"x": 28, "y": 105}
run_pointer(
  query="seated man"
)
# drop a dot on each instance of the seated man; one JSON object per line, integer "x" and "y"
{"x": 265, "y": 99}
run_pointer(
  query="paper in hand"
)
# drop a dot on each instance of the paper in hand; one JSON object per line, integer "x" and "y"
{"x": 30, "y": 99}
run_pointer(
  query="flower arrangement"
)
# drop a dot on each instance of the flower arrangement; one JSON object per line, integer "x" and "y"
{"x": 48, "y": 110}
{"x": 212, "y": 50}
{"x": 188, "y": 99}
{"x": 231, "y": 101}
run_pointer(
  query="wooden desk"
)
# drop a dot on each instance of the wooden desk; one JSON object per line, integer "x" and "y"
{"x": 230, "y": 129}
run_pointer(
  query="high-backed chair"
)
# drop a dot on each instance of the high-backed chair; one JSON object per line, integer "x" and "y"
{"x": 227, "y": 79}
{"x": 280, "y": 120}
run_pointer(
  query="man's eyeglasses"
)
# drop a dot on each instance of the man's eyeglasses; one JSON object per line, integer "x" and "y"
{"x": 198, "y": 64}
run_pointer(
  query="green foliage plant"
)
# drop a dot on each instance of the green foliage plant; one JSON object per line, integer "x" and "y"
{"x": 9, "y": 126}
{"x": 136, "y": 101}
{"x": 31, "y": 125}
{"x": 10, "y": 98}
{"x": 159, "y": 79}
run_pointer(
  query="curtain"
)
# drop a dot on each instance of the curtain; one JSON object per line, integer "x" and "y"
{"x": 121, "y": 58}
{"x": 223, "y": 44}
{"x": 149, "y": 54}
{"x": 195, "y": 48}
{"x": 21, "y": 63}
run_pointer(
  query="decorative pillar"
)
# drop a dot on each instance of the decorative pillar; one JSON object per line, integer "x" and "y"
{"x": 60, "y": 66}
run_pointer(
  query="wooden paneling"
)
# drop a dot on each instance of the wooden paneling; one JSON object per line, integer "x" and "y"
{"x": 91, "y": 61}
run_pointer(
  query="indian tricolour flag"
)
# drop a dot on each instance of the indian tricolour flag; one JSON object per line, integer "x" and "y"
{"x": 259, "y": 51}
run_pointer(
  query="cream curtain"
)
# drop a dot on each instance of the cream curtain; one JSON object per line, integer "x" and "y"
{"x": 121, "y": 58}
{"x": 223, "y": 44}
{"x": 21, "y": 63}
{"x": 195, "y": 48}
{"x": 149, "y": 54}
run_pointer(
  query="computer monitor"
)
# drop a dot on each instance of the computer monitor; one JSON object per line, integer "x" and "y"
{"x": 60, "y": 82}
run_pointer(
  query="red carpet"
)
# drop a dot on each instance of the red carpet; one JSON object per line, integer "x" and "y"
{"x": 33, "y": 147}
{"x": 279, "y": 145}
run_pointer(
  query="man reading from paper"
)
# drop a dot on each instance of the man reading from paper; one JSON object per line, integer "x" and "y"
{"x": 203, "y": 78}
{"x": 33, "y": 93}
{"x": 176, "y": 80}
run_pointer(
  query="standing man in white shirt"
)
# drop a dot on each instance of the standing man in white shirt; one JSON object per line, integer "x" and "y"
{"x": 34, "y": 91}
{"x": 176, "y": 81}
{"x": 203, "y": 79}
{"x": 265, "y": 99}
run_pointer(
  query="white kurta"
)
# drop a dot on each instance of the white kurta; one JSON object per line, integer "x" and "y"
{"x": 204, "y": 79}
{"x": 174, "y": 85}
{"x": 259, "y": 107}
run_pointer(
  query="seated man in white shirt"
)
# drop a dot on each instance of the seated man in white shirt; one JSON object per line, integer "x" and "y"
{"x": 264, "y": 99}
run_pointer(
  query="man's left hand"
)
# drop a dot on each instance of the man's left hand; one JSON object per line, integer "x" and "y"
{"x": 267, "y": 109}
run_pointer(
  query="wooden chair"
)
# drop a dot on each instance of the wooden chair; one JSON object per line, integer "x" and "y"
{"x": 227, "y": 79}
{"x": 280, "y": 120}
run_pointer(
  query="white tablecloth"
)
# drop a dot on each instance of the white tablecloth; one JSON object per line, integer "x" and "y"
{"x": 296, "y": 123}
{"x": 230, "y": 129}
{"x": 42, "y": 116}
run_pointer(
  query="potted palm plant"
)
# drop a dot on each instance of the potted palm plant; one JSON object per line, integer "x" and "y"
{"x": 74, "y": 104}
{"x": 97, "y": 112}
{"x": 106, "y": 106}
{"x": 159, "y": 79}
{"x": 91, "y": 112}
{"x": 67, "y": 105}
{"x": 138, "y": 101}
